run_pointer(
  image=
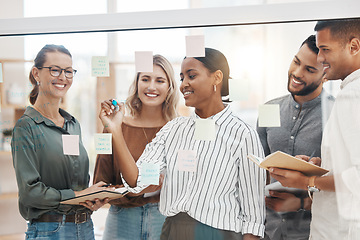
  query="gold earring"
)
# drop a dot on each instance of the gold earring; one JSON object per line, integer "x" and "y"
{"x": 214, "y": 88}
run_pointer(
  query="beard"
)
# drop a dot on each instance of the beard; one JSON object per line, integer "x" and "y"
{"x": 306, "y": 90}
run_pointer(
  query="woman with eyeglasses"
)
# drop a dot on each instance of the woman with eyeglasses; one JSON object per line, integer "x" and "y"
{"x": 45, "y": 175}
{"x": 211, "y": 190}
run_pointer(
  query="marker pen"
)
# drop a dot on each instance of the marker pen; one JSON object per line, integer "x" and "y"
{"x": 116, "y": 105}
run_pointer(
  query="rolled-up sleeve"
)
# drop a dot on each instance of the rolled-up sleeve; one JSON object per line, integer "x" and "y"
{"x": 154, "y": 153}
{"x": 252, "y": 180}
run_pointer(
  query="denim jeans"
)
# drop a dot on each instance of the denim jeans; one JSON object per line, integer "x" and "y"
{"x": 143, "y": 223}
{"x": 60, "y": 230}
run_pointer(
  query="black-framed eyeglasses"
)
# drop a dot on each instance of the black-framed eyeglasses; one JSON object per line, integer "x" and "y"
{"x": 56, "y": 71}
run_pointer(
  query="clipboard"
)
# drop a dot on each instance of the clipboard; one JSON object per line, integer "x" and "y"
{"x": 117, "y": 193}
{"x": 280, "y": 159}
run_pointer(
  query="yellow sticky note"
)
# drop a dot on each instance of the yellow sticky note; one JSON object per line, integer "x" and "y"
{"x": 100, "y": 66}
{"x": 195, "y": 46}
{"x": 144, "y": 61}
{"x": 239, "y": 89}
{"x": 205, "y": 129}
{"x": 103, "y": 143}
{"x": 70, "y": 144}
{"x": 269, "y": 115}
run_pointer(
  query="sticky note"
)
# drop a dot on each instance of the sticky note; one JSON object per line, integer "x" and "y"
{"x": 70, "y": 144}
{"x": 144, "y": 61}
{"x": 1, "y": 73}
{"x": 195, "y": 46}
{"x": 186, "y": 160}
{"x": 239, "y": 89}
{"x": 150, "y": 174}
{"x": 103, "y": 143}
{"x": 100, "y": 66}
{"x": 269, "y": 115}
{"x": 204, "y": 129}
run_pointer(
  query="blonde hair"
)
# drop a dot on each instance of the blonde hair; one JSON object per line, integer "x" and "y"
{"x": 170, "y": 105}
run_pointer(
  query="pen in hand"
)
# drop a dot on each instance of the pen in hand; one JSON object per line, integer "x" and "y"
{"x": 312, "y": 155}
{"x": 314, "y": 160}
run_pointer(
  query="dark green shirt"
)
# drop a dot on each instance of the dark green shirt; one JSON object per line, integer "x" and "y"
{"x": 45, "y": 176}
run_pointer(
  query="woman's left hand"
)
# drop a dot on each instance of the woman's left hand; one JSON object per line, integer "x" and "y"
{"x": 95, "y": 205}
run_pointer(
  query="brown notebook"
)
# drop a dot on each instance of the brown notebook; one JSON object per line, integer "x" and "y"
{"x": 280, "y": 159}
{"x": 117, "y": 193}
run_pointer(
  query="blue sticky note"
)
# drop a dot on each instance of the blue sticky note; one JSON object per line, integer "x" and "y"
{"x": 150, "y": 174}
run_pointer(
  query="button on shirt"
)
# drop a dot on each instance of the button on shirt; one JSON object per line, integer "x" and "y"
{"x": 46, "y": 176}
{"x": 300, "y": 133}
{"x": 226, "y": 191}
{"x": 301, "y": 128}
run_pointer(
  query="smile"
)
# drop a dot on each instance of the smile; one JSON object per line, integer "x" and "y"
{"x": 152, "y": 95}
{"x": 59, "y": 85}
{"x": 187, "y": 93}
{"x": 296, "y": 81}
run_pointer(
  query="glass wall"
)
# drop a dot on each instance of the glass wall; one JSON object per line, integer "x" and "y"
{"x": 258, "y": 54}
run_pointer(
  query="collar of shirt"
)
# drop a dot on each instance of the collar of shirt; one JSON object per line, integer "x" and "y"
{"x": 350, "y": 78}
{"x": 308, "y": 104}
{"x": 219, "y": 117}
{"x": 38, "y": 118}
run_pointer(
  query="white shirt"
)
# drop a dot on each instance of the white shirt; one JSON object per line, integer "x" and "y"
{"x": 336, "y": 215}
{"x": 227, "y": 189}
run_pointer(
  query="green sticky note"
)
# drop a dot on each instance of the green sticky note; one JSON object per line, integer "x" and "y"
{"x": 103, "y": 143}
{"x": 100, "y": 66}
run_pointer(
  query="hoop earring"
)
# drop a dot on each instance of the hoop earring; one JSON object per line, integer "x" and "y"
{"x": 214, "y": 88}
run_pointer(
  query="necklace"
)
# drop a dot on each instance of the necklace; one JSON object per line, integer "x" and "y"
{"x": 146, "y": 137}
{"x": 56, "y": 122}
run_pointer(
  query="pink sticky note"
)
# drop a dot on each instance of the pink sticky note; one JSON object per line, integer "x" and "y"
{"x": 144, "y": 61}
{"x": 195, "y": 46}
{"x": 186, "y": 160}
{"x": 70, "y": 144}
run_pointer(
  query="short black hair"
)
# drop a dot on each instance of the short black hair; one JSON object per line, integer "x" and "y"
{"x": 341, "y": 29}
{"x": 311, "y": 43}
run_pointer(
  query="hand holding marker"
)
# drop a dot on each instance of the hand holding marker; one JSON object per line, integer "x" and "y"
{"x": 114, "y": 102}
{"x": 116, "y": 105}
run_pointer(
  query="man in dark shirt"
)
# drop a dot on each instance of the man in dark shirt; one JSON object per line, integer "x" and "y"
{"x": 302, "y": 113}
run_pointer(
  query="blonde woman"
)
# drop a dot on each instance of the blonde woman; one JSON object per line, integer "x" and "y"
{"x": 152, "y": 102}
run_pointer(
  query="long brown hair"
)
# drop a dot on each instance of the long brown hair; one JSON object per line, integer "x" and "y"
{"x": 39, "y": 62}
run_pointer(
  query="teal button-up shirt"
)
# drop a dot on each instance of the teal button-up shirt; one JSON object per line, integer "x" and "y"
{"x": 45, "y": 176}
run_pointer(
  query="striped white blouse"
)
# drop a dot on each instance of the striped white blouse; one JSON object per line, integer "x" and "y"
{"x": 226, "y": 191}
